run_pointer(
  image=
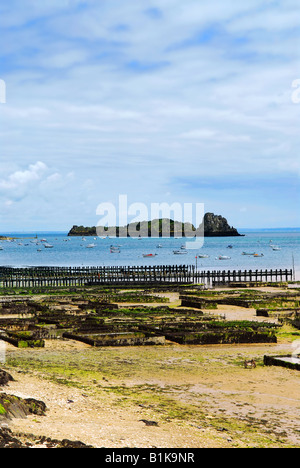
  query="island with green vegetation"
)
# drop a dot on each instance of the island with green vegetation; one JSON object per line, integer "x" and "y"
{"x": 212, "y": 226}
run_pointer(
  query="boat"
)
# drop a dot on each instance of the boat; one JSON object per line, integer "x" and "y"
{"x": 159, "y": 246}
{"x": 247, "y": 253}
{"x": 90, "y": 246}
{"x": 149, "y": 255}
{"x": 223, "y": 257}
{"x": 203, "y": 256}
{"x": 258, "y": 255}
{"x": 179, "y": 252}
{"x": 48, "y": 246}
{"x": 275, "y": 247}
{"x": 229, "y": 246}
{"x": 112, "y": 247}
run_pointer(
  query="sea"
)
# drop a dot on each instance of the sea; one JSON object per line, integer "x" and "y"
{"x": 277, "y": 249}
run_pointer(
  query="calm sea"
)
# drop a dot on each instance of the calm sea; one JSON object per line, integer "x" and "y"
{"x": 280, "y": 249}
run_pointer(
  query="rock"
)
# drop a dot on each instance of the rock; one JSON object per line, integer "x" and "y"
{"x": 14, "y": 407}
{"x": 37, "y": 407}
{"x": 217, "y": 226}
{"x": 7, "y": 439}
{"x": 149, "y": 423}
{"x": 10, "y": 440}
{"x": 72, "y": 444}
{"x": 5, "y": 378}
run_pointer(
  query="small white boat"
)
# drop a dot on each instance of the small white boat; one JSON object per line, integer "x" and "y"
{"x": 203, "y": 256}
{"x": 223, "y": 257}
{"x": 48, "y": 246}
{"x": 159, "y": 246}
{"x": 275, "y": 247}
{"x": 179, "y": 252}
{"x": 90, "y": 246}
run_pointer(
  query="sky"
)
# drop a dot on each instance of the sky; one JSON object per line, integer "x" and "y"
{"x": 163, "y": 101}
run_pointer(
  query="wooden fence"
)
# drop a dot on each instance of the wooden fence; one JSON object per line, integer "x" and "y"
{"x": 160, "y": 274}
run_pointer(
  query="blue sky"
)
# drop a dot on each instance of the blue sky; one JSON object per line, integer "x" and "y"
{"x": 164, "y": 101}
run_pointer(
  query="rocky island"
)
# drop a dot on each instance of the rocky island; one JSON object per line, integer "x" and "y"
{"x": 217, "y": 226}
{"x": 212, "y": 226}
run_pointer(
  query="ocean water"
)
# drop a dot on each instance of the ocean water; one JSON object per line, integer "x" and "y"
{"x": 26, "y": 250}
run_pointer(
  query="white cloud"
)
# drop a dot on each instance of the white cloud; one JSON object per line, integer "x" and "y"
{"x": 21, "y": 179}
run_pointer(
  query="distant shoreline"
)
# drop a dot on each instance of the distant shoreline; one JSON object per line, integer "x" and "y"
{"x": 34, "y": 232}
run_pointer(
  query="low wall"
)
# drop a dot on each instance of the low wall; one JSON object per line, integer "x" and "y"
{"x": 117, "y": 340}
{"x": 282, "y": 361}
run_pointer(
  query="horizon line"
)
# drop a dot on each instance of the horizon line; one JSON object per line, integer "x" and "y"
{"x": 36, "y": 231}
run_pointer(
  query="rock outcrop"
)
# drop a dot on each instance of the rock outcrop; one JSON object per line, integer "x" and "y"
{"x": 5, "y": 378}
{"x": 11, "y": 407}
{"x": 217, "y": 226}
{"x": 10, "y": 440}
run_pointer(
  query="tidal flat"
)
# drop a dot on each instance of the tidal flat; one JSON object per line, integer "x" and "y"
{"x": 169, "y": 395}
